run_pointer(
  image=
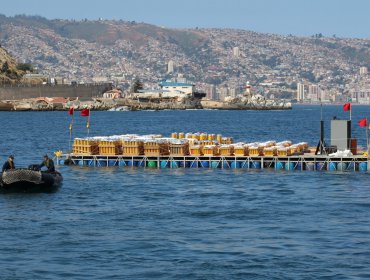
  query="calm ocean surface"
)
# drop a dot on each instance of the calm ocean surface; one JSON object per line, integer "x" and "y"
{"x": 127, "y": 223}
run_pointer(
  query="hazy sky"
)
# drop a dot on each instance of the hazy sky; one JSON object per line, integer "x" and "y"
{"x": 345, "y": 18}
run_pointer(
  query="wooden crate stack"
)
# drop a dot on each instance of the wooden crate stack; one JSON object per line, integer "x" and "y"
{"x": 284, "y": 151}
{"x": 210, "y": 150}
{"x": 226, "y": 150}
{"x": 196, "y": 150}
{"x": 256, "y": 151}
{"x": 132, "y": 147}
{"x": 85, "y": 146}
{"x": 179, "y": 149}
{"x": 208, "y": 142}
{"x": 156, "y": 148}
{"x": 303, "y": 147}
{"x": 110, "y": 147}
{"x": 284, "y": 144}
{"x": 270, "y": 151}
{"x": 227, "y": 140}
{"x": 241, "y": 150}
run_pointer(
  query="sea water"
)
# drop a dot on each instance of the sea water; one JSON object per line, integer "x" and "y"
{"x": 134, "y": 223}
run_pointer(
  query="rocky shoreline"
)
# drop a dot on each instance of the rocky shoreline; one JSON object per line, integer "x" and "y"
{"x": 136, "y": 104}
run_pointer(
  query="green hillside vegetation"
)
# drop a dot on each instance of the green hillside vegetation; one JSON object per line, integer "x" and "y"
{"x": 107, "y": 32}
{"x": 91, "y": 31}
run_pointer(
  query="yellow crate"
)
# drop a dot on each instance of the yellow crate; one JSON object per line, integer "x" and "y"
{"x": 85, "y": 146}
{"x": 86, "y": 149}
{"x": 196, "y": 150}
{"x": 133, "y": 150}
{"x": 156, "y": 149}
{"x": 193, "y": 142}
{"x": 208, "y": 143}
{"x": 256, "y": 151}
{"x": 132, "y": 143}
{"x": 301, "y": 147}
{"x": 113, "y": 150}
{"x": 203, "y": 136}
{"x": 241, "y": 151}
{"x": 132, "y": 147}
{"x": 286, "y": 151}
{"x": 268, "y": 144}
{"x": 227, "y": 140}
{"x": 179, "y": 149}
{"x": 181, "y": 135}
{"x": 226, "y": 150}
{"x": 270, "y": 151}
{"x": 174, "y": 135}
{"x": 196, "y": 136}
{"x": 284, "y": 143}
{"x": 211, "y": 137}
{"x": 110, "y": 147}
{"x": 210, "y": 150}
{"x": 295, "y": 149}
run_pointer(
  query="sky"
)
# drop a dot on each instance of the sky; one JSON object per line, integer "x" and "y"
{"x": 343, "y": 18}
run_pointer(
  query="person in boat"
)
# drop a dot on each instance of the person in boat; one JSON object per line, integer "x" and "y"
{"x": 48, "y": 163}
{"x": 9, "y": 164}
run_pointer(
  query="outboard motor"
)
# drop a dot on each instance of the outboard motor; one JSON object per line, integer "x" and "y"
{"x": 34, "y": 167}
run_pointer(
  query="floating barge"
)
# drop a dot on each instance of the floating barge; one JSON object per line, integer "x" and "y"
{"x": 305, "y": 162}
{"x": 203, "y": 150}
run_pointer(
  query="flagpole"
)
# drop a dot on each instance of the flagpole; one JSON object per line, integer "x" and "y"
{"x": 70, "y": 133}
{"x": 88, "y": 124}
{"x": 367, "y": 137}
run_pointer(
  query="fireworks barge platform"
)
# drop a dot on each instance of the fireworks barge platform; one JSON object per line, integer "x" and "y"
{"x": 308, "y": 162}
{"x": 202, "y": 150}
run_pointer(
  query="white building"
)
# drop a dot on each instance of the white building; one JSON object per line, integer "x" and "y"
{"x": 361, "y": 96}
{"x": 170, "y": 67}
{"x": 180, "y": 78}
{"x": 212, "y": 93}
{"x": 363, "y": 71}
{"x": 236, "y": 52}
{"x": 224, "y": 92}
{"x": 232, "y": 92}
{"x": 175, "y": 89}
{"x": 300, "y": 92}
{"x": 314, "y": 92}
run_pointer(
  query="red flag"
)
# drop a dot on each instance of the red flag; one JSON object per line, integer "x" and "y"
{"x": 85, "y": 112}
{"x": 347, "y": 107}
{"x": 71, "y": 111}
{"x": 362, "y": 122}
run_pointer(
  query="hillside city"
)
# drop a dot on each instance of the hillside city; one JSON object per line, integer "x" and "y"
{"x": 220, "y": 62}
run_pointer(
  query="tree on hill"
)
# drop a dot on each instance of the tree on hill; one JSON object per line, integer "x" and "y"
{"x": 5, "y": 67}
{"x": 137, "y": 85}
{"x": 25, "y": 67}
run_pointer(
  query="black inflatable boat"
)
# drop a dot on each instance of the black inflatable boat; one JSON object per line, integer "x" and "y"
{"x": 29, "y": 180}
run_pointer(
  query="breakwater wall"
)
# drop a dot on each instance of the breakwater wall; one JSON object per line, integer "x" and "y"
{"x": 82, "y": 91}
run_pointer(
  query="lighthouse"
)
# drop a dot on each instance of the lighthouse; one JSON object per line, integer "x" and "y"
{"x": 248, "y": 89}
